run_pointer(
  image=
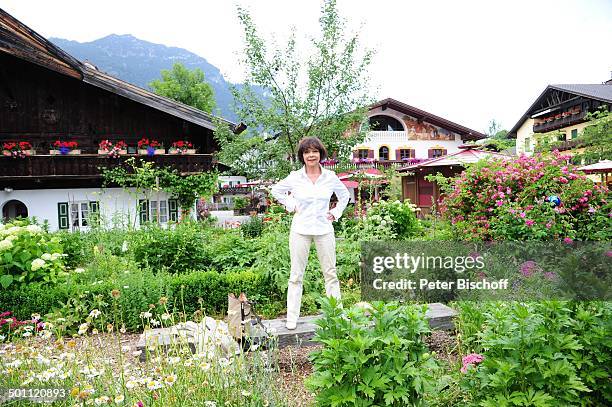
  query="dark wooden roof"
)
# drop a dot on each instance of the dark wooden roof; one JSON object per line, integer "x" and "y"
{"x": 19, "y": 40}
{"x": 600, "y": 92}
{"x": 465, "y": 132}
{"x": 24, "y": 43}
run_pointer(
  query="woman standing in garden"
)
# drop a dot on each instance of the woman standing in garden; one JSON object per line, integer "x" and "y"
{"x": 307, "y": 192}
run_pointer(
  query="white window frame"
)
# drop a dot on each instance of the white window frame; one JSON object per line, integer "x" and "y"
{"x": 83, "y": 210}
{"x": 164, "y": 214}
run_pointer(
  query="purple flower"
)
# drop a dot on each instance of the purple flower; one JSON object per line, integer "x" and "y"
{"x": 550, "y": 275}
{"x": 608, "y": 254}
{"x": 529, "y": 222}
{"x": 568, "y": 240}
{"x": 499, "y": 202}
{"x": 528, "y": 268}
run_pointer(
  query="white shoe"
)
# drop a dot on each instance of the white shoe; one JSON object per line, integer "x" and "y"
{"x": 291, "y": 325}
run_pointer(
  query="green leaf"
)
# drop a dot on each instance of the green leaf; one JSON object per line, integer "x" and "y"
{"x": 6, "y": 280}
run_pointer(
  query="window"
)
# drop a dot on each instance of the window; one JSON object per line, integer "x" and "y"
{"x": 159, "y": 208}
{"x": 77, "y": 215}
{"x": 362, "y": 153}
{"x": 160, "y": 211}
{"x": 574, "y": 133}
{"x": 436, "y": 152}
{"x": 527, "y": 144}
{"x": 406, "y": 153}
{"x": 385, "y": 123}
{"x": 383, "y": 153}
{"x": 562, "y": 137}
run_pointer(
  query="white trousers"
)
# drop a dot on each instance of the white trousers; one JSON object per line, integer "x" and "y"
{"x": 299, "y": 248}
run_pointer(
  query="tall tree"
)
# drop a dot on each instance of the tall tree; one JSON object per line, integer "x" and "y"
{"x": 185, "y": 86}
{"x": 325, "y": 96}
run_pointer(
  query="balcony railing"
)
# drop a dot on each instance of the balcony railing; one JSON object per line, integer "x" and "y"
{"x": 379, "y": 164}
{"x": 386, "y": 136}
{"x": 559, "y": 123}
{"x": 234, "y": 190}
{"x": 91, "y": 165}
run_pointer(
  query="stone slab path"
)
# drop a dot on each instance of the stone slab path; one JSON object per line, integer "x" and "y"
{"x": 439, "y": 315}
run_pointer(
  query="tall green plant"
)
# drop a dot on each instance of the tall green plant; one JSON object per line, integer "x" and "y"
{"x": 372, "y": 359}
{"x": 321, "y": 96}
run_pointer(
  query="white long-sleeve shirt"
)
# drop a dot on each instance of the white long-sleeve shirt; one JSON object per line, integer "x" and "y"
{"x": 311, "y": 200}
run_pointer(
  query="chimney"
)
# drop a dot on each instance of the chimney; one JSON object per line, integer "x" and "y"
{"x": 609, "y": 81}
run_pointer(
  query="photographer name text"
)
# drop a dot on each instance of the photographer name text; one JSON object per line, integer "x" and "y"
{"x": 424, "y": 284}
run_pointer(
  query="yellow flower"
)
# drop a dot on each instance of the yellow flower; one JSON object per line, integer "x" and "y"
{"x": 163, "y": 300}
{"x": 170, "y": 379}
{"x": 74, "y": 392}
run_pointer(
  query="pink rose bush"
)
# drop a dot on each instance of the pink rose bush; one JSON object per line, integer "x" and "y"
{"x": 510, "y": 200}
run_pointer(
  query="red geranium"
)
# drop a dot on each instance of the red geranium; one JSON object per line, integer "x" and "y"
{"x": 13, "y": 146}
{"x": 111, "y": 148}
{"x": 65, "y": 144}
{"x": 145, "y": 143}
{"x": 182, "y": 145}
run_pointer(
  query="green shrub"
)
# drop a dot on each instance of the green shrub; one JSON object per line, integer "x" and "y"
{"x": 252, "y": 228}
{"x": 373, "y": 360}
{"x": 29, "y": 254}
{"x": 175, "y": 249}
{"x": 188, "y": 292}
{"x": 547, "y": 354}
{"x": 228, "y": 249}
{"x": 509, "y": 200}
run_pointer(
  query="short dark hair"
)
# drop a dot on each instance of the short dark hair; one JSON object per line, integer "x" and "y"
{"x": 308, "y": 143}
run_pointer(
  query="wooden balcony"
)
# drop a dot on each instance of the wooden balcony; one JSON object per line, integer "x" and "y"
{"x": 559, "y": 123}
{"x": 90, "y": 166}
{"x": 378, "y": 164}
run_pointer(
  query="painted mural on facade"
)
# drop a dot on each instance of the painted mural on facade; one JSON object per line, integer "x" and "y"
{"x": 424, "y": 131}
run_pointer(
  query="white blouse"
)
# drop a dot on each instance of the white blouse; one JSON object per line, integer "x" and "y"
{"x": 311, "y": 200}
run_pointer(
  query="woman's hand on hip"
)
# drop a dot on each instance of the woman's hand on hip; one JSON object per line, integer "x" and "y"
{"x": 330, "y": 216}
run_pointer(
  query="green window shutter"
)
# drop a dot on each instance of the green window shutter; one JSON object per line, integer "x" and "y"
{"x": 94, "y": 212}
{"x": 173, "y": 210}
{"x": 143, "y": 206}
{"x": 62, "y": 215}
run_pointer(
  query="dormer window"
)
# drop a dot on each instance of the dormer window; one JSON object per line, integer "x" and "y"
{"x": 385, "y": 123}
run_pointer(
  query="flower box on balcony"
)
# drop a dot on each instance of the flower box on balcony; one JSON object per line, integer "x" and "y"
{"x": 151, "y": 151}
{"x": 70, "y": 152}
{"x": 187, "y": 151}
{"x": 106, "y": 152}
{"x": 18, "y": 153}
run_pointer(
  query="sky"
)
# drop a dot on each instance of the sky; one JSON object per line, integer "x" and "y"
{"x": 468, "y": 61}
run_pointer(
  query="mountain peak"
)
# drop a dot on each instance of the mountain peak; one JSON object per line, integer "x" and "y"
{"x": 140, "y": 62}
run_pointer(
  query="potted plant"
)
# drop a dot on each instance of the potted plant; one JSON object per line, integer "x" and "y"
{"x": 112, "y": 149}
{"x": 150, "y": 147}
{"x": 181, "y": 147}
{"x": 17, "y": 149}
{"x": 64, "y": 148}
{"x": 240, "y": 204}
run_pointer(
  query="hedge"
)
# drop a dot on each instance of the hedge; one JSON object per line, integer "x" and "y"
{"x": 139, "y": 290}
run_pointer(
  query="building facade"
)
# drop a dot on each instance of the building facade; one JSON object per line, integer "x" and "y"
{"x": 559, "y": 115}
{"x": 401, "y": 134}
{"x": 47, "y": 96}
